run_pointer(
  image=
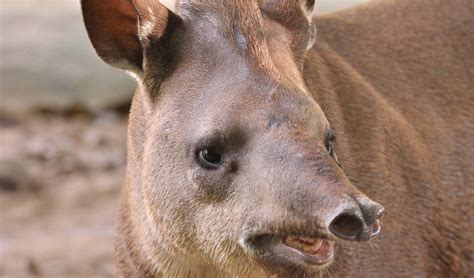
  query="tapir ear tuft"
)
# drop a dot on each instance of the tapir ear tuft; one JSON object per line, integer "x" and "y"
{"x": 154, "y": 20}
{"x": 120, "y": 30}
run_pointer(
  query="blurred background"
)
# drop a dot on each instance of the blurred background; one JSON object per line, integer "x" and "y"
{"x": 63, "y": 116}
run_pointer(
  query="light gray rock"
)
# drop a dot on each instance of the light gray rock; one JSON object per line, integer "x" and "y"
{"x": 46, "y": 60}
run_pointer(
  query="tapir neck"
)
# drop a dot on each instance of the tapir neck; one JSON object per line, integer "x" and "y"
{"x": 136, "y": 258}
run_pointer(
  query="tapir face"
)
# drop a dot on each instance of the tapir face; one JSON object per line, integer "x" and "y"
{"x": 238, "y": 167}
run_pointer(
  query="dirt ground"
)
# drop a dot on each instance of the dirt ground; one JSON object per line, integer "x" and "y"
{"x": 60, "y": 179}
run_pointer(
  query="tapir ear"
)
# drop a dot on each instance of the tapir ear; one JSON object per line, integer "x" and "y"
{"x": 120, "y": 30}
{"x": 297, "y": 17}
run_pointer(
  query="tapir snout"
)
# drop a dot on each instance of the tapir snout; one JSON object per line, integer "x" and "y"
{"x": 311, "y": 196}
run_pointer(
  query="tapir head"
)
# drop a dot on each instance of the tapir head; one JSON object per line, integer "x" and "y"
{"x": 232, "y": 163}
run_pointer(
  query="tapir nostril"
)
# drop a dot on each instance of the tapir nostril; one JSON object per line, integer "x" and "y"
{"x": 358, "y": 223}
{"x": 347, "y": 226}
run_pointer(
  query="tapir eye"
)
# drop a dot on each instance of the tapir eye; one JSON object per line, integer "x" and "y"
{"x": 209, "y": 158}
{"x": 330, "y": 138}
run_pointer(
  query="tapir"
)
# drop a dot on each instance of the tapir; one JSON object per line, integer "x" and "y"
{"x": 265, "y": 141}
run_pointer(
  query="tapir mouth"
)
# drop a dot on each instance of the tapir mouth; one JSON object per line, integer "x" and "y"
{"x": 292, "y": 250}
{"x": 313, "y": 250}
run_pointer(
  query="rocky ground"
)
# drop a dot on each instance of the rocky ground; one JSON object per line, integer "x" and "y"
{"x": 60, "y": 179}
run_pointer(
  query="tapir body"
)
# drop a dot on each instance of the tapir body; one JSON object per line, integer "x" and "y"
{"x": 232, "y": 167}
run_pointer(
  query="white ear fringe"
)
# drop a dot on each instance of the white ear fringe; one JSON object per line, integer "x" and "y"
{"x": 170, "y": 4}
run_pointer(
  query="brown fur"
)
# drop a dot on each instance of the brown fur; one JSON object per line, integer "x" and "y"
{"x": 393, "y": 79}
